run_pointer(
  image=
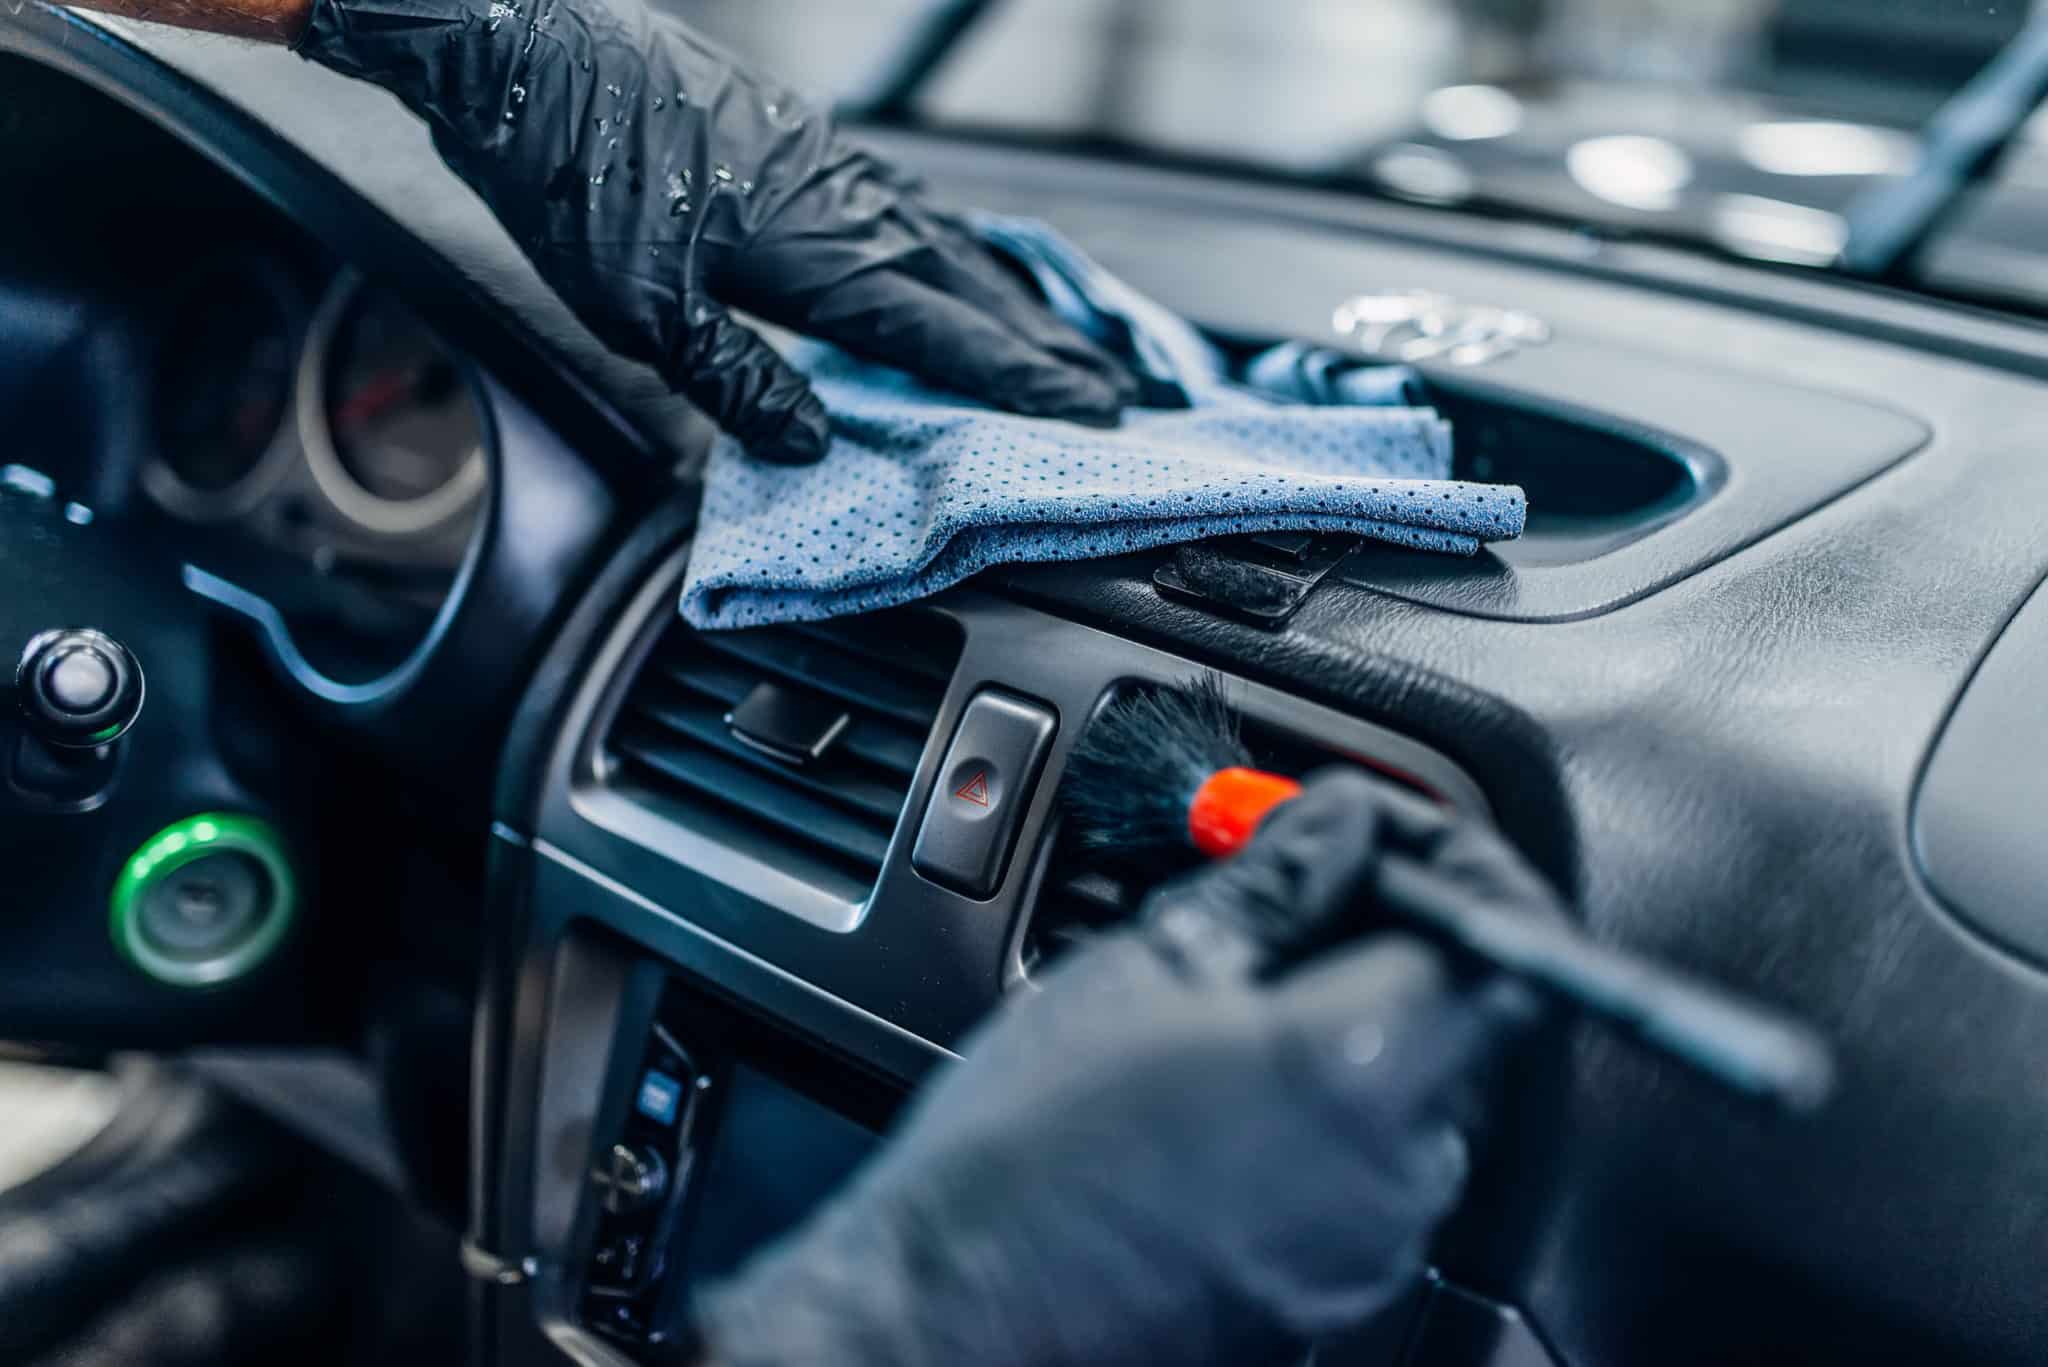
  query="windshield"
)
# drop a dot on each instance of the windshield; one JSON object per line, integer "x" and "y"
{"x": 1751, "y": 127}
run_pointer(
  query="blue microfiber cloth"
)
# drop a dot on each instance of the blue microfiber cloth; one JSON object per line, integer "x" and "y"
{"x": 921, "y": 488}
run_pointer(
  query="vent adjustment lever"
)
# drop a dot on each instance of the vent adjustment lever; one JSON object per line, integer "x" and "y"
{"x": 792, "y": 725}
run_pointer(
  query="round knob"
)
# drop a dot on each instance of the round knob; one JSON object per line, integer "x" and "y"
{"x": 78, "y": 688}
{"x": 631, "y": 1176}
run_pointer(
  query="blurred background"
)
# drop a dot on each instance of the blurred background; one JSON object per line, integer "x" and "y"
{"x": 1747, "y": 126}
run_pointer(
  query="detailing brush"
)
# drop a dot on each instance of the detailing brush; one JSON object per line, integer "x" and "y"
{"x": 1164, "y": 771}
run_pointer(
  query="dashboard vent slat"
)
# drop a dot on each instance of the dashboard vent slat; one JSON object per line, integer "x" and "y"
{"x": 880, "y": 741}
{"x": 713, "y": 679}
{"x": 670, "y": 747}
{"x": 706, "y": 726}
{"x": 829, "y": 668}
{"x": 714, "y": 778}
{"x": 921, "y": 659}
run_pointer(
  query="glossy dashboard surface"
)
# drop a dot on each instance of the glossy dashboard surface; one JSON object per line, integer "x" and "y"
{"x": 1720, "y": 770}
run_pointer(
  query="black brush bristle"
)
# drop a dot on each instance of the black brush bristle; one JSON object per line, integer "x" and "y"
{"x": 1133, "y": 776}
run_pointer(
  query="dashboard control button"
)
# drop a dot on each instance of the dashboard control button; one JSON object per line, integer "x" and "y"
{"x": 984, "y": 787}
{"x": 79, "y": 681}
{"x": 78, "y": 688}
{"x": 631, "y": 1177}
{"x": 615, "y": 1266}
{"x": 205, "y": 900}
{"x": 660, "y": 1097}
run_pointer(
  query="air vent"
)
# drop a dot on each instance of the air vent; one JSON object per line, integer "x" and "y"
{"x": 1083, "y": 895}
{"x": 800, "y": 741}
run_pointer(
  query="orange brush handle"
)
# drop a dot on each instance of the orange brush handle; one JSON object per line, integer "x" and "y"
{"x": 1229, "y": 806}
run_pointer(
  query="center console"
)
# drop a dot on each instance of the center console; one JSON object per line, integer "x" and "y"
{"x": 732, "y": 1132}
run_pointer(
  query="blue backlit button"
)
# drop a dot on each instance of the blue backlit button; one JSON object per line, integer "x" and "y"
{"x": 661, "y": 1096}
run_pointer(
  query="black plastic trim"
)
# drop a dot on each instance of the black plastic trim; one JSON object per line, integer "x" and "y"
{"x": 928, "y": 959}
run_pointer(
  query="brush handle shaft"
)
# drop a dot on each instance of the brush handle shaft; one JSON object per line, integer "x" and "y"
{"x": 1747, "y": 1047}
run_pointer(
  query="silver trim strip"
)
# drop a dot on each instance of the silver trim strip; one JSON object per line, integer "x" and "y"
{"x": 618, "y": 889}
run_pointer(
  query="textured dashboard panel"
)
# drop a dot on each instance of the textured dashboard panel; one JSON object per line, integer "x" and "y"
{"x": 1981, "y": 820}
{"x": 1782, "y": 450}
{"x": 1773, "y": 444}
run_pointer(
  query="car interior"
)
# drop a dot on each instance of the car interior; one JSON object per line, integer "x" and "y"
{"x": 443, "y": 952}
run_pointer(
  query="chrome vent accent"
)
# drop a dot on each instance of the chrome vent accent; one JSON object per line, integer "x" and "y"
{"x": 673, "y": 747}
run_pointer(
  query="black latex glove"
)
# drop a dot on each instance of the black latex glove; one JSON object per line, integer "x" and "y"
{"x": 1192, "y": 1147}
{"x": 655, "y": 182}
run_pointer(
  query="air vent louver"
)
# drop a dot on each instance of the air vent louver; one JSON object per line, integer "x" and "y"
{"x": 672, "y": 749}
{"x": 1084, "y": 894}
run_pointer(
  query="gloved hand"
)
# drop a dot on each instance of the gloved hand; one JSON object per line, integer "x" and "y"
{"x": 655, "y": 183}
{"x": 1192, "y": 1146}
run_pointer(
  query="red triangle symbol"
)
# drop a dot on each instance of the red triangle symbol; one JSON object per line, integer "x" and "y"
{"x": 975, "y": 790}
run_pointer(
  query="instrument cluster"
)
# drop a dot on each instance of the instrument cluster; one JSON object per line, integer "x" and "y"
{"x": 340, "y": 421}
{"x": 321, "y": 449}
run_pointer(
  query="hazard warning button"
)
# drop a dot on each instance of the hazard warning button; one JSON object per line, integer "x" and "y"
{"x": 984, "y": 786}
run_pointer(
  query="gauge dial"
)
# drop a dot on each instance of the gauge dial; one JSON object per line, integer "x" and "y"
{"x": 395, "y": 436}
{"x": 400, "y": 412}
{"x": 222, "y": 387}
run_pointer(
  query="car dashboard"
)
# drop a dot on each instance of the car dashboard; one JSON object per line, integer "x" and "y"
{"x": 1725, "y": 694}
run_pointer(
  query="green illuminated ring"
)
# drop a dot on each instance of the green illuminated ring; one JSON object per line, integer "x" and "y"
{"x": 169, "y": 850}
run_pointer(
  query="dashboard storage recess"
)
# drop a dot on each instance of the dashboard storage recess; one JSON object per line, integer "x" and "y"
{"x": 1595, "y": 483}
{"x": 1760, "y": 451}
{"x": 1640, "y": 470}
